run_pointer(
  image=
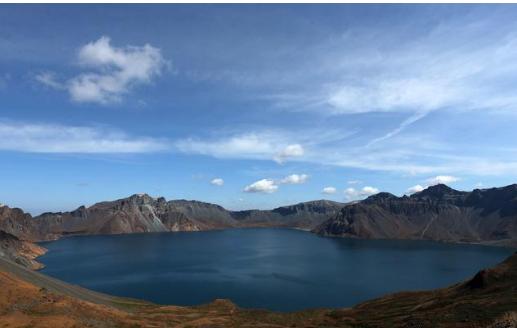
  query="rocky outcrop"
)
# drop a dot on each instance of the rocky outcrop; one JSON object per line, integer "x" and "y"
{"x": 18, "y": 223}
{"x": 135, "y": 214}
{"x": 436, "y": 213}
{"x": 305, "y": 215}
{"x": 19, "y": 251}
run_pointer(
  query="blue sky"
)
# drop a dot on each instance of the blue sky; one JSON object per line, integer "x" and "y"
{"x": 253, "y": 106}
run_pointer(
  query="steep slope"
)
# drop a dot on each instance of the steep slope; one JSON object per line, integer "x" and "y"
{"x": 206, "y": 215}
{"x": 305, "y": 215}
{"x": 137, "y": 213}
{"x": 30, "y": 299}
{"x": 487, "y": 300}
{"x": 436, "y": 213}
{"x": 18, "y": 223}
{"x": 19, "y": 251}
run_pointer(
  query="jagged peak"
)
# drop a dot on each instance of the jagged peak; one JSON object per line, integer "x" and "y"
{"x": 437, "y": 191}
{"x": 141, "y": 195}
{"x": 380, "y": 196}
{"x": 141, "y": 198}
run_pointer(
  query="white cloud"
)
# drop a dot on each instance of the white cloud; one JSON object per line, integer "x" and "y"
{"x": 114, "y": 71}
{"x": 439, "y": 179}
{"x": 54, "y": 138}
{"x": 352, "y": 193}
{"x": 295, "y": 179}
{"x": 415, "y": 189}
{"x": 329, "y": 190}
{"x": 353, "y": 182}
{"x": 217, "y": 182}
{"x": 265, "y": 186}
{"x": 294, "y": 150}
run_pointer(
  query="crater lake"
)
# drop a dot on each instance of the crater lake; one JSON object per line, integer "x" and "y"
{"x": 276, "y": 269}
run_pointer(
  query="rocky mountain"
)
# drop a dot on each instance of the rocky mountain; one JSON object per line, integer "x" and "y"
{"x": 16, "y": 222}
{"x": 305, "y": 215}
{"x": 436, "y": 213}
{"x": 143, "y": 213}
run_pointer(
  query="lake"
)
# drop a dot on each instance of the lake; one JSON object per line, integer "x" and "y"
{"x": 277, "y": 269}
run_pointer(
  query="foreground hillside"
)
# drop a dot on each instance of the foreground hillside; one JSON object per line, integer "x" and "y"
{"x": 30, "y": 299}
{"x": 19, "y": 251}
{"x": 440, "y": 213}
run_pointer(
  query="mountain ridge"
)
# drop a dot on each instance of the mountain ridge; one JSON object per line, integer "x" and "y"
{"x": 143, "y": 213}
{"x": 437, "y": 213}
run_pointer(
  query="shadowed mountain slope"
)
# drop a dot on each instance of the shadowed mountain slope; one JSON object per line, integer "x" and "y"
{"x": 438, "y": 213}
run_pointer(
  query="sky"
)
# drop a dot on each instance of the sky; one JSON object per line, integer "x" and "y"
{"x": 253, "y": 106}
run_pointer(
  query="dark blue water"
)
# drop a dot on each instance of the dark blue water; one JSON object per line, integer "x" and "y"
{"x": 277, "y": 269}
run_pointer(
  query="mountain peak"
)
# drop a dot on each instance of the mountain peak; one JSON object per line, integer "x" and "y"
{"x": 437, "y": 191}
{"x": 380, "y": 196}
{"x": 141, "y": 198}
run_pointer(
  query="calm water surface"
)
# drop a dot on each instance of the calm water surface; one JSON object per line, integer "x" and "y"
{"x": 278, "y": 269}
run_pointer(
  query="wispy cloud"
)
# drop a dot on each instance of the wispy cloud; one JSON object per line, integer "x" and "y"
{"x": 408, "y": 154}
{"x": 258, "y": 145}
{"x": 54, "y": 138}
{"x": 294, "y": 179}
{"x": 290, "y": 151}
{"x": 459, "y": 64}
{"x": 50, "y": 80}
{"x": 112, "y": 71}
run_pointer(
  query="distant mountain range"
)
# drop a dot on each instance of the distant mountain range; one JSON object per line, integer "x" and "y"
{"x": 441, "y": 213}
{"x": 142, "y": 213}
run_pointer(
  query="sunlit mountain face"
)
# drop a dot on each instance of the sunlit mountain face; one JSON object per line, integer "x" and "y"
{"x": 253, "y": 106}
